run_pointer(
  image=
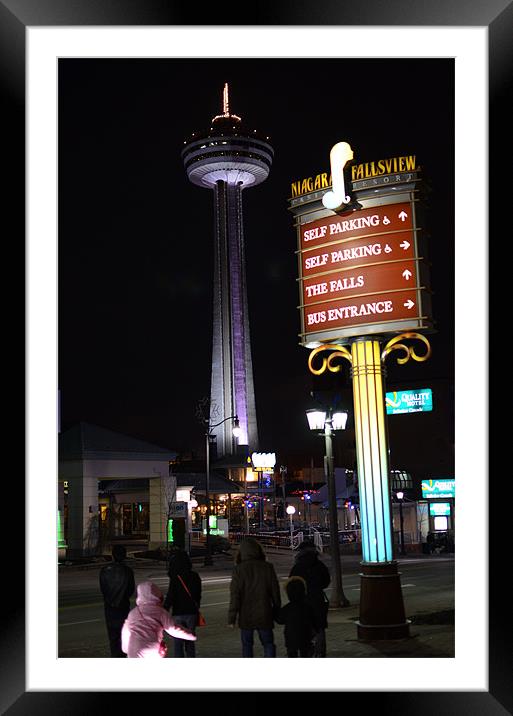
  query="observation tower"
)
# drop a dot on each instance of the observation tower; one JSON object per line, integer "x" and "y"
{"x": 226, "y": 159}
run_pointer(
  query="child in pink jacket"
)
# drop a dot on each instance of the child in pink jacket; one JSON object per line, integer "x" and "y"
{"x": 144, "y": 626}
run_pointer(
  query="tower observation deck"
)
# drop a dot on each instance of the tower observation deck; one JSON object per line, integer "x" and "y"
{"x": 227, "y": 159}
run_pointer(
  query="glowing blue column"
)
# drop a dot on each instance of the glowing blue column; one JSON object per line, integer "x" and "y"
{"x": 372, "y": 452}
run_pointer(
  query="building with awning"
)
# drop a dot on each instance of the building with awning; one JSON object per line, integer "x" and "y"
{"x": 110, "y": 485}
{"x": 224, "y": 494}
{"x": 218, "y": 483}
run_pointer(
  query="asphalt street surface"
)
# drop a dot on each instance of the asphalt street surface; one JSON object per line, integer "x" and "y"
{"x": 428, "y": 593}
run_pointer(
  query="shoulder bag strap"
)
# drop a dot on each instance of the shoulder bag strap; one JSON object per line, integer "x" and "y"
{"x": 186, "y": 589}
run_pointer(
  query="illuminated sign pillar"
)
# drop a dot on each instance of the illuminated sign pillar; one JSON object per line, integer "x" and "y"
{"x": 381, "y": 600}
{"x": 382, "y": 614}
{"x": 372, "y": 452}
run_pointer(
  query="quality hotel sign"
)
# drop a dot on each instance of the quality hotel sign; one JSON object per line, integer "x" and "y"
{"x": 438, "y": 488}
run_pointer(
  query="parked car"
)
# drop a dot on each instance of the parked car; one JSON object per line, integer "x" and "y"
{"x": 219, "y": 545}
{"x": 438, "y": 542}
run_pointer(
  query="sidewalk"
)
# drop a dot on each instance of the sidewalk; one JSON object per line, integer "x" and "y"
{"x": 431, "y": 632}
{"x": 432, "y": 621}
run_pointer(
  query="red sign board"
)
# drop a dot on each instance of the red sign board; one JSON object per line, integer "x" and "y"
{"x": 360, "y": 268}
{"x": 366, "y": 222}
{"x": 348, "y": 312}
{"x": 358, "y": 251}
{"x": 360, "y": 281}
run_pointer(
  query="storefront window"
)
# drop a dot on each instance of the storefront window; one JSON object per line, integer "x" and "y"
{"x": 127, "y": 519}
{"x": 136, "y": 518}
{"x": 141, "y": 517}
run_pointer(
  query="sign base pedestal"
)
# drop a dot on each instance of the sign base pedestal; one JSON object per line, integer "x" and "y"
{"x": 381, "y": 603}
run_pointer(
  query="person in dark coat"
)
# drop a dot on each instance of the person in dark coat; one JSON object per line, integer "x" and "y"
{"x": 298, "y": 618}
{"x": 184, "y": 605}
{"x": 254, "y": 597}
{"x": 117, "y": 585}
{"x": 317, "y": 577}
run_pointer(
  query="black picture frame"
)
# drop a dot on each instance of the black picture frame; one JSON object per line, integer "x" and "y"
{"x": 15, "y": 17}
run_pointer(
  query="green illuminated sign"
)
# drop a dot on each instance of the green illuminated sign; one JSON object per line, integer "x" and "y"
{"x": 217, "y": 526}
{"x": 60, "y": 531}
{"x": 438, "y": 488}
{"x": 170, "y": 531}
{"x": 409, "y": 401}
{"x": 438, "y": 509}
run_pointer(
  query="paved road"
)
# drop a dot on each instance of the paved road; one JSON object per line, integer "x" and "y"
{"x": 428, "y": 586}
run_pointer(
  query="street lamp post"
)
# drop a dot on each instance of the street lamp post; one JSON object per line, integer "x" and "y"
{"x": 320, "y": 420}
{"x": 400, "y": 497}
{"x": 208, "y": 432}
{"x": 246, "y": 510}
{"x": 290, "y": 511}
{"x": 283, "y": 473}
{"x": 308, "y": 509}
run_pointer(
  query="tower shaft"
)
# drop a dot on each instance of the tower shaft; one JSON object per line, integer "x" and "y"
{"x": 232, "y": 388}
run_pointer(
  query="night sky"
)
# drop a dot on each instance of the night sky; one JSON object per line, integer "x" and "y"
{"x": 136, "y": 241}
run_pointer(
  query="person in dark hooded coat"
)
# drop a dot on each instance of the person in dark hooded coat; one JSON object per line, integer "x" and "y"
{"x": 254, "y": 597}
{"x": 317, "y": 577}
{"x": 184, "y": 597}
{"x": 117, "y": 585}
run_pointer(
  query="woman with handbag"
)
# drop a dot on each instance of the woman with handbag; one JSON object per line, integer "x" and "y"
{"x": 142, "y": 635}
{"x": 184, "y": 597}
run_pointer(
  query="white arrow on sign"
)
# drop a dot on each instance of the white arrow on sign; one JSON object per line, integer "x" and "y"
{"x": 405, "y": 245}
{"x": 403, "y": 216}
{"x": 407, "y": 274}
{"x": 409, "y": 303}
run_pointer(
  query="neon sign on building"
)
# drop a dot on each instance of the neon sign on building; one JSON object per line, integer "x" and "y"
{"x": 438, "y": 488}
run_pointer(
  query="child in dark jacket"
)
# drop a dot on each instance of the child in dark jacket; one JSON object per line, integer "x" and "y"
{"x": 298, "y": 618}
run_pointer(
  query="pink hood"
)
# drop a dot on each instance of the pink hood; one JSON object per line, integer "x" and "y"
{"x": 148, "y": 593}
{"x": 144, "y": 626}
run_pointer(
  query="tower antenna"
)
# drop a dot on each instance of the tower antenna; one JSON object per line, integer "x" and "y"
{"x": 226, "y": 105}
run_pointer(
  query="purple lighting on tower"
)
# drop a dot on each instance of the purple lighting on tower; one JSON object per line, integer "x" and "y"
{"x": 238, "y": 300}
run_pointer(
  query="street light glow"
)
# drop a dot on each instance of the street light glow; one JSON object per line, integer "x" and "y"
{"x": 316, "y": 418}
{"x": 339, "y": 420}
{"x": 236, "y": 430}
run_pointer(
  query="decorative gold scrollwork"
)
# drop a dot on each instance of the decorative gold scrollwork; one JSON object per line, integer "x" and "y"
{"x": 339, "y": 352}
{"x": 394, "y": 345}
